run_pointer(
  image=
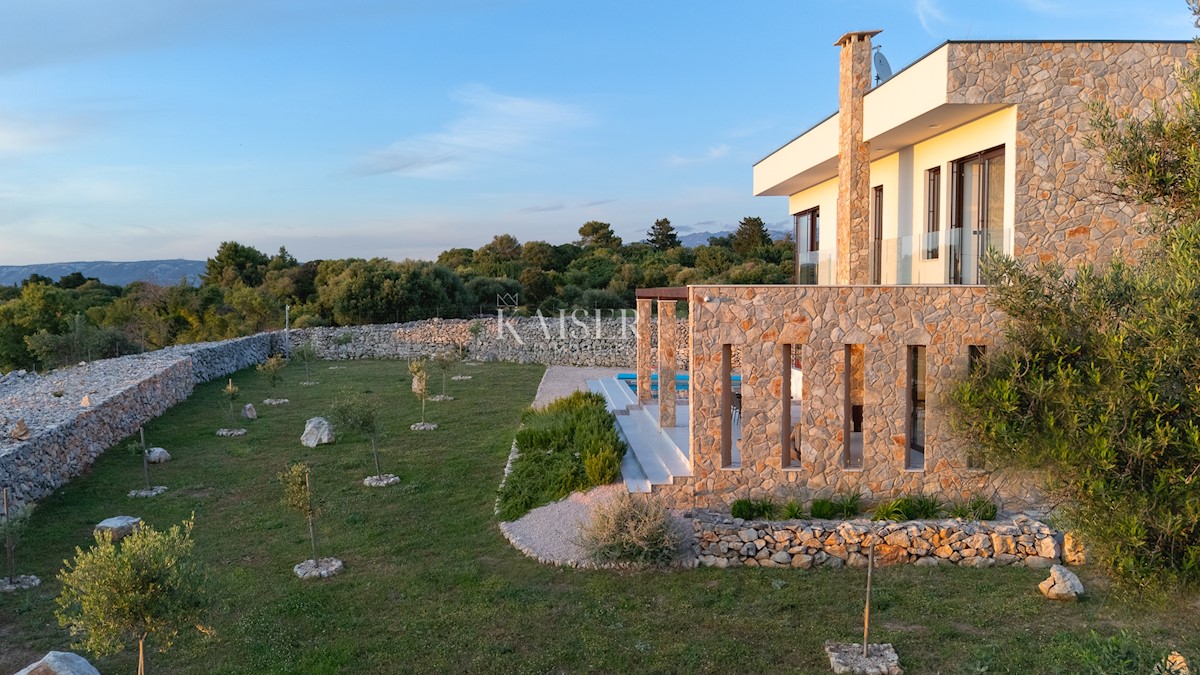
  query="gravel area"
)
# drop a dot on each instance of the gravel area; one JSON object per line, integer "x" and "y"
{"x": 550, "y": 533}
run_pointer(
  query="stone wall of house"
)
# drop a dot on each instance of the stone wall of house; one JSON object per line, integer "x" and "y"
{"x": 823, "y": 320}
{"x": 722, "y": 541}
{"x": 1062, "y": 212}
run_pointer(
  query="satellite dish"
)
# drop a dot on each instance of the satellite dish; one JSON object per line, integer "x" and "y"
{"x": 883, "y": 70}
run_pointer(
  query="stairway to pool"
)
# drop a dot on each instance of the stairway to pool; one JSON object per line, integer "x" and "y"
{"x": 656, "y": 456}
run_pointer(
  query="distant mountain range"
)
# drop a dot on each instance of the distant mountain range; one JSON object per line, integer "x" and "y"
{"x": 163, "y": 272}
{"x": 694, "y": 239}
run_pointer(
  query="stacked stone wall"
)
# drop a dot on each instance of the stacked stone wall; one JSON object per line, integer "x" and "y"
{"x": 725, "y": 542}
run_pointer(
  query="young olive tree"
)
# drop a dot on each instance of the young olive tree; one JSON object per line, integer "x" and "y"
{"x": 360, "y": 414}
{"x": 444, "y": 362}
{"x": 231, "y": 393}
{"x": 147, "y": 587}
{"x": 297, "y": 496}
{"x": 420, "y": 383}
{"x": 16, "y": 520}
{"x": 272, "y": 370}
{"x": 306, "y": 354}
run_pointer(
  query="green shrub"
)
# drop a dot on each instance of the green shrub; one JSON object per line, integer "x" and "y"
{"x": 847, "y": 505}
{"x": 793, "y": 510}
{"x": 922, "y": 507}
{"x": 890, "y": 510}
{"x": 631, "y": 529}
{"x": 823, "y": 509}
{"x": 978, "y": 508}
{"x": 1124, "y": 652}
{"x": 555, "y": 445}
{"x": 602, "y": 467}
{"x": 752, "y": 509}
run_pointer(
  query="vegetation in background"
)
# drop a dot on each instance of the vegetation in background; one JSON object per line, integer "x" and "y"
{"x": 556, "y": 444}
{"x": 1095, "y": 385}
{"x": 632, "y": 529}
{"x": 146, "y": 587}
{"x": 752, "y": 509}
{"x": 47, "y": 324}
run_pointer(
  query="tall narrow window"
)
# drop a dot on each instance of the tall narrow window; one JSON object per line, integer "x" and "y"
{"x": 877, "y": 235}
{"x": 977, "y": 214}
{"x": 976, "y": 354}
{"x": 933, "y": 201}
{"x": 852, "y": 450}
{"x": 727, "y": 406}
{"x": 808, "y": 245}
{"x": 791, "y": 401}
{"x": 915, "y": 457}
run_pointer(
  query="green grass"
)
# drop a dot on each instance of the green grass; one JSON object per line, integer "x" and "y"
{"x": 431, "y": 586}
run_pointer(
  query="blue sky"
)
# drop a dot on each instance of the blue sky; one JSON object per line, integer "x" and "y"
{"x": 141, "y": 129}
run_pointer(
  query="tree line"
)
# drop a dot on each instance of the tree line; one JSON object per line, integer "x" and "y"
{"x": 46, "y": 323}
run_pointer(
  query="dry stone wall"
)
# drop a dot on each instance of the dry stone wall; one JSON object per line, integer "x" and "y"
{"x": 727, "y": 542}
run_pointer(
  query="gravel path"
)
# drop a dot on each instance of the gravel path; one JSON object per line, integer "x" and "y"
{"x": 560, "y": 381}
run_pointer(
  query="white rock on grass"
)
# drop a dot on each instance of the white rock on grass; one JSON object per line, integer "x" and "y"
{"x": 275, "y": 401}
{"x": 158, "y": 456}
{"x": 1062, "y": 584}
{"x": 382, "y": 480}
{"x": 317, "y": 431}
{"x": 18, "y": 583}
{"x": 229, "y": 433}
{"x": 423, "y": 426}
{"x": 119, "y": 526}
{"x": 881, "y": 659}
{"x": 327, "y": 567}
{"x": 60, "y": 663}
{"x": 462, "y": 378}
{"x": 152, "y": 492}
{"x": 249, "y": 412}
{"x": 441, "y": 397}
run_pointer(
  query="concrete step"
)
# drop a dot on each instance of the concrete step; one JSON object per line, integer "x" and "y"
{"x": 657, "y": 454}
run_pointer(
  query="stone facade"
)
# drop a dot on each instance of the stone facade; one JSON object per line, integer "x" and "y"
{"x": 823, "y": 320}
{"x": 1061, "y": 212}
{"x": 854, "y": 158}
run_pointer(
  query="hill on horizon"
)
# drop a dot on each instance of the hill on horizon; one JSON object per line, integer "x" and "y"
{"x": 162, "y": 272}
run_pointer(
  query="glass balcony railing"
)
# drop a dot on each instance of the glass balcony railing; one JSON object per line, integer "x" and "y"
{"x": 915, "y": 259}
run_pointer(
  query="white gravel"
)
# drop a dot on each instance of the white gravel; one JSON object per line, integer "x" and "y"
{"x": 550, "y": 533}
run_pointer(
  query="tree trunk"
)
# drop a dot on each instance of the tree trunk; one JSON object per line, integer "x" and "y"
{"x": 312, "y": 530}
{"x": 422, "y": 410}
{"x": 8, "y": 543}
{"x": 142, "y": 655}
{"x": 375, "y": 452}
{"x": 867, "y": 608}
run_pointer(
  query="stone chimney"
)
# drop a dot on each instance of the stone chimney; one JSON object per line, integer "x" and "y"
{"x": 854, "y": 159}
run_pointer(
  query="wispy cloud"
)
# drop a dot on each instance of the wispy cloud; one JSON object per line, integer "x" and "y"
{"x": 927, "y": 13}
{"x": 492, "y": 125}
{"x": 713, "y": 153}
{"x": 598, "y": 202}
{"x": 541, "y": 209}
{"x": 20, "y": 135}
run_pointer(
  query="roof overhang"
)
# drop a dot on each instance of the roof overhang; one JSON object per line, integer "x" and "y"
{"x": 909, "y": 108}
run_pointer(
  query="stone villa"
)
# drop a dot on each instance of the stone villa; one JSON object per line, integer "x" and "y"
{"x": 837, "y": 384}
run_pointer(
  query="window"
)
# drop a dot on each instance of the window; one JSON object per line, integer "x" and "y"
{"x": 933, "y": 202}
{"x": 914, "y": 459}
{"x": 729, "y": 399}
{"x": 791, "y": 394}
{"x": 977, "y": 214}
{"x": 852, "y": 413}
{"x": 975, "y": 356}
{"x": 808, "y": 243}
{"x": 877, "y": 235}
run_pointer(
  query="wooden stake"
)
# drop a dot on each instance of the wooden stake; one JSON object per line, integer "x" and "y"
{"x": 8, "y": 545}
{"x": 145, "y": 460}
{"x": 867, "y": 609}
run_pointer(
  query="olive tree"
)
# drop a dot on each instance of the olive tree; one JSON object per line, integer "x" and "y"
{"x": 147, "y": 587}
{"x": 360, "y": 414}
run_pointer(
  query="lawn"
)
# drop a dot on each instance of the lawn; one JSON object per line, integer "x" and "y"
{"x": 431, "y": 585}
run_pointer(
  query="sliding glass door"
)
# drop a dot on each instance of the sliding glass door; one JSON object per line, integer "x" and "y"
{"x": 977, "y": 213}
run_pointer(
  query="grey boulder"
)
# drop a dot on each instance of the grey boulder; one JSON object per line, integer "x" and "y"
{"x": 317, "y": 431}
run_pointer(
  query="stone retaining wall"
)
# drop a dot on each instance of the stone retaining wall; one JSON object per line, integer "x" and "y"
{"x": 722, "y": 541}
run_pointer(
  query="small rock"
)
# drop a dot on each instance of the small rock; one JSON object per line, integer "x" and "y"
{"x": 881, "y": 659}
{"x": 462, "y": 378}
{"x": 1072, "y": 549}
{"x": 423, "y": 426}
{"x": 1037, "y": 563}
{"x": 231, "y": 432}
{"x": 977, "y": 562}
{"x": 382, "y": 480}
{"x": 119, "y": 526}
{"x": 86, "y": 401}
{"x": 60, "y": 663}
{"x": 275, "y": 401}
{"x": 441, "y": 397}
{"x": 18, "y": 583}
{"x": 152, "y": 492}
{"x": 158, "y": 456}
{"x": 249, "y": 412}
{"x": 317, "y": 431}
{"x": 1174, "y": 664}
{"x": 782, "y": 558}
{"x": 1062, "y": 584}
{"x": 327, "y": 567}
{"x": 927, "y": 561}
{"x": 20, "y": 431}
{"x": 1047, "y": 547}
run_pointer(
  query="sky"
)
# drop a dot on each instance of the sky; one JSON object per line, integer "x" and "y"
{"x": 143, "y": 129}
